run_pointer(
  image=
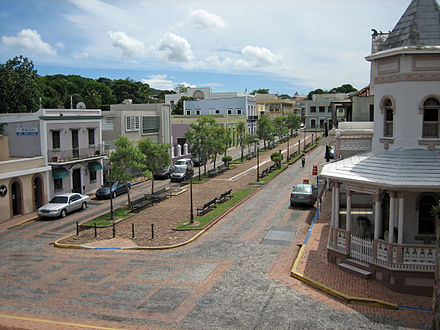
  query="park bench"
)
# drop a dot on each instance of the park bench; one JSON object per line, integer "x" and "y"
{"x": 206, "y": 207}
{"x": 264, "y": 173}
{"x": 222, "y": 168}
{"x": 158, "y": 195}
{"x": 212, "y": 172}
{"x": 140, "y": 203}
{"x": 223, "y": 196}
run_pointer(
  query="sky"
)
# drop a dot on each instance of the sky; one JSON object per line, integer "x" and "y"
{"x": 285, "y": 46}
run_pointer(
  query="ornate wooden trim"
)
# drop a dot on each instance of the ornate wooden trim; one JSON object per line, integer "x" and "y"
{"x": 412, "y": 76}
{"x": 430, "y": 143}
{"x": 386, "y": 142}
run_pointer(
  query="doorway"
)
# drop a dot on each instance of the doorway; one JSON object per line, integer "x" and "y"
{"x": 38, "y": 192}
{"x": 16, "y": 198}
{"x": 76, "y": 180}
{"x": 75, "y": 143}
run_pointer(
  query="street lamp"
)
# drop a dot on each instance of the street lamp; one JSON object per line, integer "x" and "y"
{"x": 111, "y": 192}
{"x": 258, "y": 161}
{"x": 287, "y": 156}
{"x": 190, "y": 172}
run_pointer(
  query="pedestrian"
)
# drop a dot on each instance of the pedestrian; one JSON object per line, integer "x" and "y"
{"x": 303, "y": 160}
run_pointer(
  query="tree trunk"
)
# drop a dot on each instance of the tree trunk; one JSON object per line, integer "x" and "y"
{"x": 152, "y": 185}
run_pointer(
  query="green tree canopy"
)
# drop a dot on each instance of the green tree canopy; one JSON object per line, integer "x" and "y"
{"x": 260, "y": 91}
{"x": 293, "y": 122}
{"x": 265, "y": 129}
{"x": 19, "y": 86}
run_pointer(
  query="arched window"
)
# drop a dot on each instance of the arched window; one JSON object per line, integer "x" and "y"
{"x": 431, "y": 118}
{"x": 388, "y": 118}
{"x": 426, "y": 216}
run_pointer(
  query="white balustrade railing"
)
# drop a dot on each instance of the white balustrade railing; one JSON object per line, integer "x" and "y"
{"x": 361, "y": 249}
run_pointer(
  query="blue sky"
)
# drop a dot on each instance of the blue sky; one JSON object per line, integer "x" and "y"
{"x": 283, "y": 45}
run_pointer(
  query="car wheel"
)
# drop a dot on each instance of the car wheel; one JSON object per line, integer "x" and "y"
{"x": 292, "y": 204}
{"x": 84, "y": 205}
{"x": 63, "y": 213}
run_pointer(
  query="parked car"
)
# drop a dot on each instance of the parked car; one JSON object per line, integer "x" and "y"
{"x": 184, "y": 162}
{"x": 164, "y": 173}
{"x": 197, "y": 161}
{"x": 305, "y": 194}
{"x": 117, "y": 188}
{"x": 180, "y": 174}
{"x": 62, "y": 204}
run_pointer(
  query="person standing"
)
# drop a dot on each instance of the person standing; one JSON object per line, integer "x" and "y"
{"x": 303, "y": 160}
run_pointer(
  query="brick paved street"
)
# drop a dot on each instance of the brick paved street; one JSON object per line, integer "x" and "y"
{"x": 235, "y": 276}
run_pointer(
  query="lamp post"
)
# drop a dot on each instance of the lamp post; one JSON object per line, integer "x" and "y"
{"x": 111, "y": 192}
{"x": 190, "y": 172}
{"x": 258, "y": 161}
{"x": 287, "y": 156}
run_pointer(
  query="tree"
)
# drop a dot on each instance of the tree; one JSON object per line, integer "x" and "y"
{"x": 19, "y": 86}
{"x": 126, "y": 159}
{"x": 293, "y": 122}
{"x": 178, "y": 107}
{"x": 280, "y": 127}
{"x": 265, "y": 129}
{"x": 277, "y": 157}
{"x": 156, "y": 157}
{"x": 260, "y": 91}
{"x": 181, "y": 88}
{"x": 346, "y": 88}
{"x": 241, "y": 135}
{"x": 316, "y": 91}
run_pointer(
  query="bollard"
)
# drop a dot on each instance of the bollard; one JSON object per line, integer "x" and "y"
{"x": 96, "y": 233}
{"x": 132, "y": 230}
{"x": 114, "y": 230}
{"x": 152, "y": 230}
{"x": 77, "y": 229}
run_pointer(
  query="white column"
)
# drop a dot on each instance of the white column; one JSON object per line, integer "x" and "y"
{"x": 392, "y": 215}
{"x": 348, "y": 217}
{"x": 179, "y": 150}
{"x": 185, "y": 149}
{"x": 377, "y": 217}
{"x": 337, "y": 205}
{"x": 401, "y": 217}
{"x": 172, "y": 152}
{"x": 332, "y": 222}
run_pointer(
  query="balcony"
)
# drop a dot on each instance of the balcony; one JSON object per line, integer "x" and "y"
{"x": 67, "y": 155}
{"x": 252, "y": 118}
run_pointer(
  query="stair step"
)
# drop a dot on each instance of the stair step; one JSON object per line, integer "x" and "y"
{"x": 360, "y": 263}
{"x": 355, "y": 270}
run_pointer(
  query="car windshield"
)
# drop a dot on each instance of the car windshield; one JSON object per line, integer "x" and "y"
{"x": 180, "y": 162}
{"x": 303, "y": 189}
{"x": 180, "y": 170}
{"x": 59, "y": 200}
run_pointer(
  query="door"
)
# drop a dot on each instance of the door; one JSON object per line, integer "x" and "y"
{"x": 75, "y": 143}
{"x": 16, "y": 198}
{"x": 76, "y": 181}
{"x": 38, "y": 192}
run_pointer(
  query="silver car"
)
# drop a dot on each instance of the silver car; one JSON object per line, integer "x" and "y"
{"x": 62, "y": 204}
{"x": 305, "y": 194}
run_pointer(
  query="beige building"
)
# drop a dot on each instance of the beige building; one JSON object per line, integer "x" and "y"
{"x": 273, "y": 106}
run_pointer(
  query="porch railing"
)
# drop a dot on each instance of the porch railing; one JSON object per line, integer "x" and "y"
{"x": 63, "y": 155}
{"x": 361, "y": 249}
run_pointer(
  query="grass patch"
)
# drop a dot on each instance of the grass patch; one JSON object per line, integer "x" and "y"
{"x": 221, "y": 208}
{"x": 104, "y": 220}
{"x": 269, "y": 176}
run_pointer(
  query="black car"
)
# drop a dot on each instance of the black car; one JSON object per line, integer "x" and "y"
{"x": 164, "y": 173}
{"x": 180, "y": 174}
{"x": 117, "y": 189}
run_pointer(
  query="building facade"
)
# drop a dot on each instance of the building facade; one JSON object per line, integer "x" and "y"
{"x": 273, "y": 106}
{"x": 199, "y": 93}
{"x": 381, "y": 213}
{"x": 324, "y": 109}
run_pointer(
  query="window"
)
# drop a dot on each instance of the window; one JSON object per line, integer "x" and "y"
{"x": 91, "y": 132}
{"x": 426, "y": 218}
{"x": 388, "y": 124}
{"x": 313, "y": 123}
{"x": 150, "y": 124}
{"x": 131, "y": 123}
{"x": 58, "y": 184}
{"x": 371, "y": 112}
{"x": 321, "y": 123}
{"x": 198, "y": 112}
{"x": 217, "y": 112}
{"x": 229, "y": 111}
{"x": 431, "y": 109}
{"x": 313, "y": 109}
{"x": 322, "y": 109}
{"x": 239, "y": 111}
{"x": 56, "y": 142}
{"x": 188, "y": 112}
{"x": 329, "y": 109}
{"x": 92, "y": 176}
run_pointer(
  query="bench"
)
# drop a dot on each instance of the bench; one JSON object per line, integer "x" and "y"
{"x": 264, "y": 173}
{"x": 222, "y": 168}
{"x": 212, "y": 172}
{"x": 223, "y": 196}
{"x": 207, "y": 206}
{"x": 140, "y": 203}
{"x": 158, "y": 195}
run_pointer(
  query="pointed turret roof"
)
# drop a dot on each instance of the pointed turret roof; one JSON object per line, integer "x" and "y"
{"x": 418, "y": 26}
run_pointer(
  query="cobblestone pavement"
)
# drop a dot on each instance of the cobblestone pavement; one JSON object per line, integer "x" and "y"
{"x": 235, "y": 276}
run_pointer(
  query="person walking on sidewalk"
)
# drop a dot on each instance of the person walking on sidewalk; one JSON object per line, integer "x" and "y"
{"x": 303, "y": 160}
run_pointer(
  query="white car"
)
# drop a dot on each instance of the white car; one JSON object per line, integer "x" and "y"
{"x": 183, "y": 162}
{"x": 62, "y": 204}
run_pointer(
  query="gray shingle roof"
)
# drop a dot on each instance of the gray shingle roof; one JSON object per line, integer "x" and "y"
{"x": 410, "y": 168}
{"x": 418, "y": 26}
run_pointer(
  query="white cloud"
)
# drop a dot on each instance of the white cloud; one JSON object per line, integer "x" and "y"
{"x": 173, "y": 48}
{"x": 130, "y": 47}
{"x": 80, "y": 55}
{"x": 28, "y": 39}
{"x": 60, "y": 45}
{"x": 257, "y": 57}
{"x": 185, "y": 84}
{"x": 207, "y": 20}
{"x": 159, "y": 81}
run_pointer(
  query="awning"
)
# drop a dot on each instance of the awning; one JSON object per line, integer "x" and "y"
{"x": 59, "y": 173}
{"x": 95, "y": 166}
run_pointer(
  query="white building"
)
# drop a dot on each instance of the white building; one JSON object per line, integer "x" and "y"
{"x": 381, "y": 200}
